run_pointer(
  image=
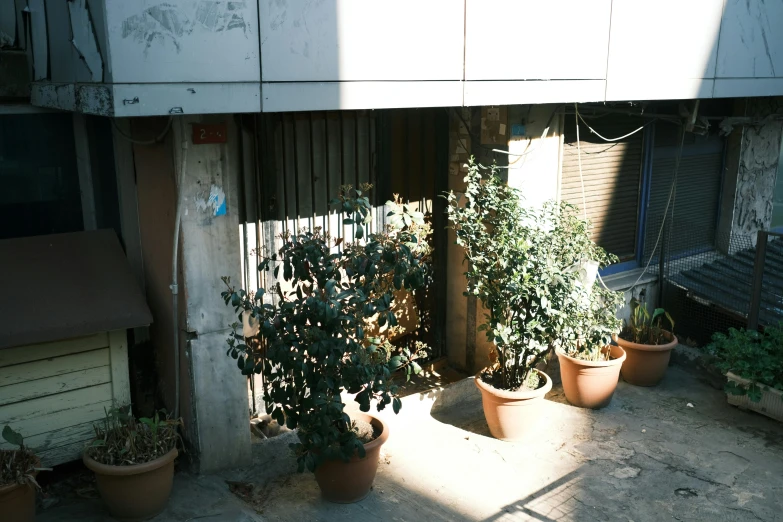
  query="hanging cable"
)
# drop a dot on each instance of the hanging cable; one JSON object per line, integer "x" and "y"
{"x": 579, "y": 160}
{"x": 579, "y": 116}
{"x": 157, "y": 138}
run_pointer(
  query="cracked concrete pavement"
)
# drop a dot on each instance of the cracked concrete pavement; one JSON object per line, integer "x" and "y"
{"x": 674, "y": 452}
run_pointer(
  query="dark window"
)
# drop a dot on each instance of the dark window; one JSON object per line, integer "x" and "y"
{"x": 40, "y": 184}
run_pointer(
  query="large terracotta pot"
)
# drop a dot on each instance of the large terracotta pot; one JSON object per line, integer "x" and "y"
{"x": 590, "y": 384}
{"x": 347, "y": 482}
{"x": 646, "y": 363}
{"x": 512, "y": 415}
{"x": 17, "y": 503}
{"x": 136, "y": 492}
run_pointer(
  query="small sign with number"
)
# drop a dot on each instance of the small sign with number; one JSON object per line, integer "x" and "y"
{"x": 209, "y": 133}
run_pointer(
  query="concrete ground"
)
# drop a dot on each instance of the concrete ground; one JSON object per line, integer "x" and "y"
{"x": 674, "y": 452}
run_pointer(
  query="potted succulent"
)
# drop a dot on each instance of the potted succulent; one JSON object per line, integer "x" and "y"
{"x": 648, "y": 346}
{"x": 18, "y": 469}
{"x": 314, "y": 345}
{"x": 753, "y": 364}
{"x": 589, "y": 363}
{"x": 133, "y": 462}
{"x": 518, "y": 262}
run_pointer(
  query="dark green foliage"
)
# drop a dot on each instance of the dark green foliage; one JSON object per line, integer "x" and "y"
{"x": 757, "y": 357}
{"x": 312, "y": 345}
{"x": 17, "y": 466}
{"x": 646, "y": 328}
{"x": 524, "y": 267}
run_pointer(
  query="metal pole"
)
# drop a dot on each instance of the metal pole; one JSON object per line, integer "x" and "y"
{"x": 757, "y": 281}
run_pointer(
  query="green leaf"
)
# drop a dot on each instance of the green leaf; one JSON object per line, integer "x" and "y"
{"x": 359, "y": 232}
{"x": 12, "y": 437}
{"x": 396, "y": 405}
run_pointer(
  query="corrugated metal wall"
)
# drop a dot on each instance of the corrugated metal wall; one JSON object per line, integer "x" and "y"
{"x": 693, "y": 213}
{"x": 612, "y": 173}
{"x": 294, "y": 163}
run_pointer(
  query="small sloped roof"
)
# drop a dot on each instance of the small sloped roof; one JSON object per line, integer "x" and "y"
{"x": 66, "y": 285}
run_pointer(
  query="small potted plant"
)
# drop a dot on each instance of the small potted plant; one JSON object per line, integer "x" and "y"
{"x": 648, "y": 346}
{"x": 314, "y": 345}
{"x": 133, "y": 462}
{"x": 18, "y": 469}
{"x": 518, "y": 262}
{"x": 753, "y": 364}
{"x": 589, "y": 363}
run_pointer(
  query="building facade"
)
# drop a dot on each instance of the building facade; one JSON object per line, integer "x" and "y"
{"x": 242, "y": 119}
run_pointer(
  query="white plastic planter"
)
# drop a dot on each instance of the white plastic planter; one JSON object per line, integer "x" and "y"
{"x": 771, "y": 403}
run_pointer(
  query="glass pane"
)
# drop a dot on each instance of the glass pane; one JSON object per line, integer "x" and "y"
{"x": 40, "y": 184}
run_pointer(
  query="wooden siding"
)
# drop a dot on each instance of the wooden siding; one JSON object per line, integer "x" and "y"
{"x": 53, "y": 393}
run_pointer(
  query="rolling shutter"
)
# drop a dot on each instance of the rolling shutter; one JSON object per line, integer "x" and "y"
{"x": 611, "y": 173}
{"x": 694, "y": 212}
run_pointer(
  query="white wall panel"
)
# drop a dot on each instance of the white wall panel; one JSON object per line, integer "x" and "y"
{"x": 349, "y": 40}
{"x": 658, "y": 88}
{"x": 535, "y": 91}
{"x": 183, "y": 40}
{"x": 316, "y": 96}
{"x": 536, "y": 40}
{"x": 751, "y": 43}
{"x": 665, "y": 39}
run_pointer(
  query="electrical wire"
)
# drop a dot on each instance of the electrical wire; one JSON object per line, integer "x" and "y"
{"x": 154, "y": 141}
{"x": 672, "y": 190}
{"x": 579, "y": 160}
{"x": 579, "y": 116}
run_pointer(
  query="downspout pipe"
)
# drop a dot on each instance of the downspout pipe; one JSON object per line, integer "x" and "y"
{"x": 174, "y": 266}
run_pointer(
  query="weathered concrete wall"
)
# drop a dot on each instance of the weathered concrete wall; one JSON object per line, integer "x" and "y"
{"x": 213, "y": 396}
{"x": 758, "y": 166}
{"x": 210, "y": 249}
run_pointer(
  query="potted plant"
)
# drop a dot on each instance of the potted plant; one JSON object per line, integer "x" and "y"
{"x": 647, "y": 345}
{"x": 517, "y": 266}
{"x": 589, "y": 363}
{"x": 18, "y": 469}
{"x": 133, "y": 462}
{"x": 753, "y": 364}
{"x": 314, "y": 347}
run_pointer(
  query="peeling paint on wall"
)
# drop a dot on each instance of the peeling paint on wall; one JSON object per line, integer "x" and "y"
{"x": 758, "y": 169}
{"x": 84, "y": 40}
{"x": 213, "y": 203}
{"x": 167, "y": 22}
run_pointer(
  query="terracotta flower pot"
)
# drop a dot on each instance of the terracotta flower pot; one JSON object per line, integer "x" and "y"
{"x": 136, "y": 492}
{"x": 17, "y": 503}
{"x": 646, "y": 363}
{"x": 347, "y": 482}
{"x": 512, "y": 415}
{"x": 590, "y": 384}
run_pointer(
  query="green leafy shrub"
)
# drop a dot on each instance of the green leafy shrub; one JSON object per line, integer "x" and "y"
{"x": 755, "y": 356}
{"x": 591, "y": 322}
{"x": 646, "y": 328}
{"x": 123, "y": 440}
{"x": 523, "y": 265}
{"x": 312, "y": 346}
